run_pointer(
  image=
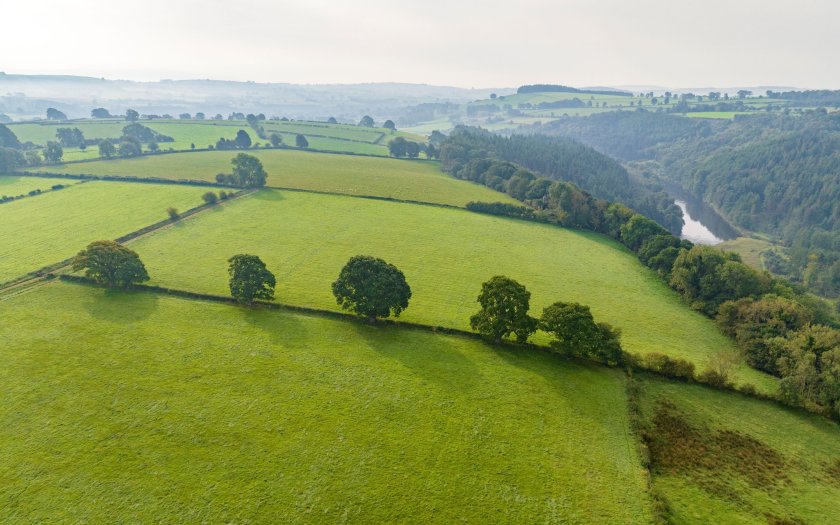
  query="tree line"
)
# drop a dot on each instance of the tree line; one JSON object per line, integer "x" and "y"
{"x": 469, "y": 152}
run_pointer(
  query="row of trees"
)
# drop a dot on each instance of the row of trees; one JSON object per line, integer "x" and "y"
{"x": 504, "y": 162}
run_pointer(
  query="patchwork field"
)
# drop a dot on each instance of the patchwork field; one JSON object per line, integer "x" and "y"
{"x": 154, "y": 408}
{"x": 48, "y": 228}
{"x": 348, "y": 174}
{"x": 12, "y": 186}
{"x": 202, "y": 134}
{"x": 446, "y": 254}
{"x": 724, "y": 458}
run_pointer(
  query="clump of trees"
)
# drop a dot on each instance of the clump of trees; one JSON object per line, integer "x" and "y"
{"x": 248, "y": 172}
{"x": 577, "y": 333}
{"x": 112, "y": 264}
{"x": 400, "y": 147}
{"x": 54, "y": 114}
{"x": 241, "y": 141}
{"x": 371, "y": 288}
{"x": 70, "y": 137}
{"x": 107, "y": 149}
{"x": 53, "y": 152}
{"x": 250, "y": 280}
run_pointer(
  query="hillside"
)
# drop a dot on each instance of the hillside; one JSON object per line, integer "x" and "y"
{"x": 770, "y": 174}
{"x": 165, "y": 407}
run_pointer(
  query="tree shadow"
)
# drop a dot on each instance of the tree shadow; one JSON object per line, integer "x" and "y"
{"x": 282, "y": 328}
{"x": 121, "y": 306}
{"x": 269, "y": 195}
{"x": 438, "y": 360}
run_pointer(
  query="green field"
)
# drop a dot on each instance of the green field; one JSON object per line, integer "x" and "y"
{"x": 734, "y": 459}
{"x": 138, "y": 408}
{"x": 446, "y": 254}
{"x": 347, "y": 174}
{"x": 204, "y": 133}
{"x": 49, "y": 228}
{"x": 12, "y": 186}
{"x": 748, "y": 248}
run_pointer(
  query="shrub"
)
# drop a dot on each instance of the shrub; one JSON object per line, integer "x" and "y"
{"x": 173, "y": 213}
{"x": 674, "y": 368}
{"x": 210, "y": 198}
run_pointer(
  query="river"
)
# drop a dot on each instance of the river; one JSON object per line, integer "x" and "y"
{"x": 701, "y": 224}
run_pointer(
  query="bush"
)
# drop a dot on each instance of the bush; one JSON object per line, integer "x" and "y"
{"x": 674, "y": 368}
{"x": 210, "y": 198}
{"x": 714, "y": 378}
{"x": 173, "y": 213}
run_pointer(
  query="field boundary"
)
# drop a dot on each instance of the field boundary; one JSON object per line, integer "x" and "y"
{"x": 282, "y": 147}
{"x": 629, "y": 368}
{"x": 50, "y": 270}
{"x": 34, "y": 193}
{"x": 193, "y": 182}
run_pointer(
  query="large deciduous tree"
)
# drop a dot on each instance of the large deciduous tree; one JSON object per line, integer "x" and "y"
{"x": 577, "y": 333}
{"x": 371, "y": 288}
{"x": 131, "y": 115}
{"x": 250, "y": 279}
{"x": 504, "y": 310}
{"x": 53, "y": 152}
{"x": 248, "y": 171}
{"x": 112, "y": 264}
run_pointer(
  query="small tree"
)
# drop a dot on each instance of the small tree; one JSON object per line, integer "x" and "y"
{"x": 301, "y": 142}
{"x": 173, "y": 214}
{"x": 276, "y": 139}
{"x": 398, "y": 147}
{"x": 248, "y": 171}
{"x": 242, "y": 140}
{"x": 371, "y": 288}
{"x": 53, "y": 152}
{"x": 210, "y": 198}
{"x": 250, "y": 279}
{"x": 112, "y": 264}
{"x": 504, "y": 310}
{"x": 107, "y": 149}
{"x": 367, "y": 121}
{"x": 131, "y": 115}
{"x": 389, "y": 124}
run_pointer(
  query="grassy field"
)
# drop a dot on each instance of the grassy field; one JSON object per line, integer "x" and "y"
{"x": 48, "y": 228}
{"x": 724, "y": 458}
{"x": 446, "y": 254}
{"x": 12, "y": 186}
{"x": 348, "y": 174}
{"x": 333, "y": 137}
{"x": 137, "y": 408}
{"x": 748, "y": 248}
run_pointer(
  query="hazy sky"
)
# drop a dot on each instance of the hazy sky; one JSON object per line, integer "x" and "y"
{"x": 449, "y": 42}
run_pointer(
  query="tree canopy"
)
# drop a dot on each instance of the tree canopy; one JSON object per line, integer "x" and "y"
{"x": 504, "y": 310}
{"x": 250, "y": 279}
{"x": 371, "y": 288}
{"x": 112, "y": 264}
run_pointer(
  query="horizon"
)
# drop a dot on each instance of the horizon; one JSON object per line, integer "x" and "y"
{"x": 573, "y": 43}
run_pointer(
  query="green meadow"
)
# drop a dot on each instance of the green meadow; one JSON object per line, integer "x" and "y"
{"x": 446, "y": 254}
{"x": 12, "y": 186}
{"x": 347, "y": 174}
{"x": 136, "y": 407}
{"x": 724, "y": 458}
{"x": 45, "y": 229}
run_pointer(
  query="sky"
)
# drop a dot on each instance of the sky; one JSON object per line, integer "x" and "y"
{"x": 464, "y": 43}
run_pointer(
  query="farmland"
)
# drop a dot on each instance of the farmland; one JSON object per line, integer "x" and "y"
{"x": 347, "y": 174}
{"x": 49, "y": 228}
{"x": 201, "y": 412}
{"x": 733, "y": 459}
{"x": 431, "y": 245}
{"x": 205, "y": 133}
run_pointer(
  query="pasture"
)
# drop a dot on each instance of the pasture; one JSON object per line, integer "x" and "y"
{"x": 445, "y": 254}
{"x": 726, "y": 458}
{"x": 137, "y": 407}
{"x": 45, "y": 229}
{"x": 347, "y": 174}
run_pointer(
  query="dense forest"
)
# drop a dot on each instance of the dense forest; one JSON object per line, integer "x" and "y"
{"x": 772, "y": 174}
{"x": 567, "y": 160}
